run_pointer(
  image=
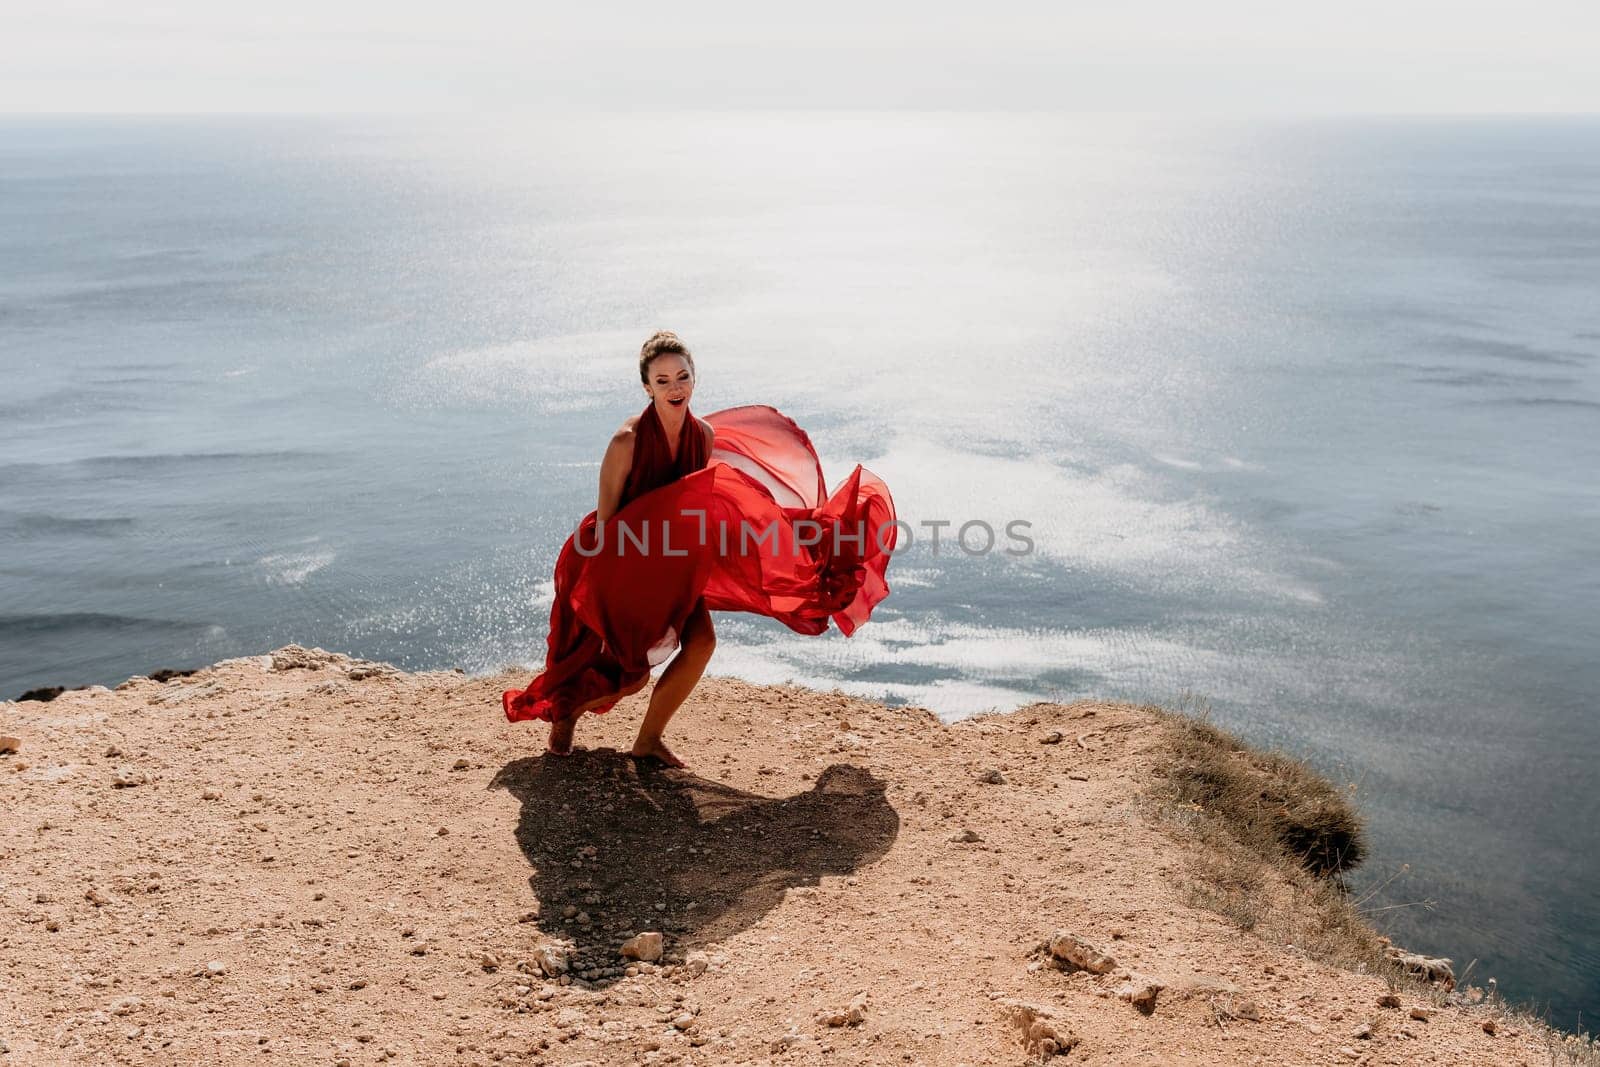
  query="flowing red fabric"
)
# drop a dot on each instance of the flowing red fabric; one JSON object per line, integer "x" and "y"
{"x": 750, "y": 527}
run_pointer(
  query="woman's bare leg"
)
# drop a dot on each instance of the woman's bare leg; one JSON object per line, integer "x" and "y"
{"x": 675, "y": 684}
{"x": 561, "y": 731}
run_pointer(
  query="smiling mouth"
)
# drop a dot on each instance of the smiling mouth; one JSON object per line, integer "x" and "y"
{"x": 677, "y": 401}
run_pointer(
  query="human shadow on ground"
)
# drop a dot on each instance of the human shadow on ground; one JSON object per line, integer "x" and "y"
{"x": 632, "y": 848}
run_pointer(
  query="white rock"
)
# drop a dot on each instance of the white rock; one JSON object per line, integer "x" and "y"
{"x": 1140, "y": 991}
{"x": 294, "y": 657}
{"x": 790, "y": 1040}
{"x": 1042, "y": 1034}
{"x": 364, "y": 669}
{"x": 550, "y": 961}
{"x": 1072, "y": 949}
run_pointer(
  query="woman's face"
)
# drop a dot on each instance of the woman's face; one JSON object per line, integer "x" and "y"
{"x": 670, "y": 382}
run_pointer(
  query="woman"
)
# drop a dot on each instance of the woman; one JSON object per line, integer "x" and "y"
{"x": 748, "y": 528}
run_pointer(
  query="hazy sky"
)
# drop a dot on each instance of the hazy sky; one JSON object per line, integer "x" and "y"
{"x": 1128, "y": 55}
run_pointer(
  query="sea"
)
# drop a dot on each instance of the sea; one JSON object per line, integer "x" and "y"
{"x": 1301, "y": 418}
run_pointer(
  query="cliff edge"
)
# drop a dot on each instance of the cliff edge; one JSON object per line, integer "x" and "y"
{"x": 308, "y": 858}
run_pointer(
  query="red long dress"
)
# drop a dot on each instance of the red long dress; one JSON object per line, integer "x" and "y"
{"x": 734, "y": 528}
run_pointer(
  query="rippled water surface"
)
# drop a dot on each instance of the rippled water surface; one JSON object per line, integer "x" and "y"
{"x": 1305, "y": 418}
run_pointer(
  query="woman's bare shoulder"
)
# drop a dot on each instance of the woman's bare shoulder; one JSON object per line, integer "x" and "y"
{"x": 622, "y": 440}
{"x": 707, "y": 429}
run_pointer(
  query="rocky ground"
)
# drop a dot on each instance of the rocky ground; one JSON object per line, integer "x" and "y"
{"x": 298, "y": 857}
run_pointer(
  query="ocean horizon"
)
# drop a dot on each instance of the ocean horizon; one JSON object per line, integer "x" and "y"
{"x": 1303, "y": 416}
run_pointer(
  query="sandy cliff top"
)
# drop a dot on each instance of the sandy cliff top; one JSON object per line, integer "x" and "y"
{"x": 325, "y": 861}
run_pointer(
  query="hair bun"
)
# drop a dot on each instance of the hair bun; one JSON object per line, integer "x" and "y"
{"x": 662, "y": 343}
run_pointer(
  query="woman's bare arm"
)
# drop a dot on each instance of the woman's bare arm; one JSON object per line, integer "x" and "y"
{"x": 614, "y": 471}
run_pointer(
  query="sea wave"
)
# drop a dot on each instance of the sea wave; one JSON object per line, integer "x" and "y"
{"x": 159, "y": 462}
{"x": 989, "y": 653}
{"x": 293, "y": 568}
{"x": 1510, "y": 350}
{"x": 1547, "y": 402}
{"x": 19, "y": 626}
{"x": 949, "y": 698}
{"x": 42, "y": 524}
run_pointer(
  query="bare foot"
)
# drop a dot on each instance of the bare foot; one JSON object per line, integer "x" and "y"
{"x": 561, "y": 736}
{"x": 655, "y": 748}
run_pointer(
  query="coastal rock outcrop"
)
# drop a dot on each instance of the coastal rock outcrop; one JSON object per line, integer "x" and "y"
{"x": 385, "y": 861}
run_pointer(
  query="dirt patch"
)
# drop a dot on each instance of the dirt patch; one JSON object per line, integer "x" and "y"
{"x": 330, "y": 861}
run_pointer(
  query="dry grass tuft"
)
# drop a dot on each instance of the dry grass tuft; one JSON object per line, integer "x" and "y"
{"x": 1273, "y": 837}
{"x": 1271, "y": 802}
